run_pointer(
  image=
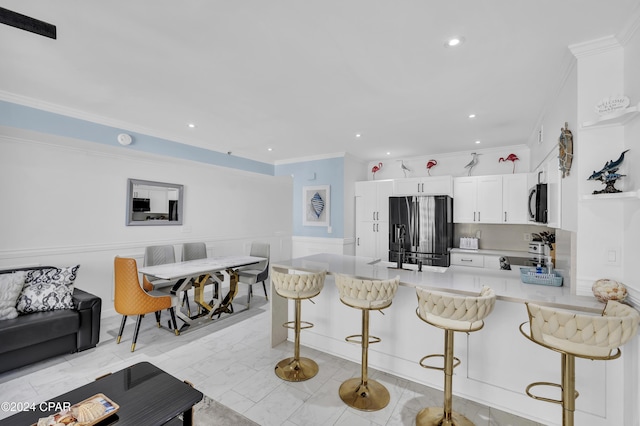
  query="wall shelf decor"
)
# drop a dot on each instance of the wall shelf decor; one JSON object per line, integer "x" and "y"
{"x": 622, "y": 116}
{"x": 619, "y": 195}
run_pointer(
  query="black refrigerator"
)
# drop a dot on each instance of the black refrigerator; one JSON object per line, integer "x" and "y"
{"x": 421, "y": 228}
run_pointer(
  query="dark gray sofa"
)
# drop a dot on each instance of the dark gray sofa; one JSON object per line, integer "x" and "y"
{"x": 38, "y": 336}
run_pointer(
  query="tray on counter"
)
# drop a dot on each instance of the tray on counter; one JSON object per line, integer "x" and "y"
{"x": 529, "y": 276}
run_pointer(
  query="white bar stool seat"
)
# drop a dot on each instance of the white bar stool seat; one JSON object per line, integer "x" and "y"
{"x": 297, "y": 287}
{"x": 361, "y": 392}
{"x": 451, "y": 312}
{"x": 578, "y": 335}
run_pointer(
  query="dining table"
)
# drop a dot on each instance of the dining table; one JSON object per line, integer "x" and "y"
{"x": 198, "y": 273}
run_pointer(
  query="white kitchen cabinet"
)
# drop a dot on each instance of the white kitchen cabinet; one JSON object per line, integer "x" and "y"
{"x": 429, "y": 185}
{"x": 515, "y": 192}
{"x": 372, "y": 218}
{"x": 477, "y": 199}
{"x": 141, "y": 193}
{"x": 468, "y": 259}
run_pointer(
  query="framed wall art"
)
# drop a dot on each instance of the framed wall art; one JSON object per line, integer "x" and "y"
{"x": 316, "y": 205}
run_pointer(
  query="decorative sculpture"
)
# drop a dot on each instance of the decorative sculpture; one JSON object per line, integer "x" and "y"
{"x": 430, "y": 164}
{"x": 473, "y": 162}
{"x": 608, "y": 175}
{"x": 511, "y": 157}
{"x": 404, "y": 168}
{"x": 375, "y": 170}
{"x": 565, "y": 148}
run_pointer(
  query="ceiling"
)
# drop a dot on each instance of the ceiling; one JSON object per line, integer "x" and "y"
{"x": 304, "y": 77}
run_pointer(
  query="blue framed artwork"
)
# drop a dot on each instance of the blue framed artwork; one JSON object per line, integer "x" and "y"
{"x": 316, "y": 205}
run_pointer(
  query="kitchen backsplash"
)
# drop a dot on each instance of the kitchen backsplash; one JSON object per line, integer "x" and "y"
{"x": 497, "y": 237}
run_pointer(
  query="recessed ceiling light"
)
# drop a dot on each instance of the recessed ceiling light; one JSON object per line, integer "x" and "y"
{"x": 191, "y": 125}
{"x": 472, "y": 116}
{"x": 477, "y": 141}
{"x": 454, "y": 41}
{"x": 269, "y": 149}
{"x": 388, "y": 153}
{"x": 358, "y": 135}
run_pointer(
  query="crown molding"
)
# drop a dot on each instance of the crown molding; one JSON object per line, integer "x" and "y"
{"x": 630, "y": 28}
{"x": 595, "y": 47}
{"x": 310, "y": 158}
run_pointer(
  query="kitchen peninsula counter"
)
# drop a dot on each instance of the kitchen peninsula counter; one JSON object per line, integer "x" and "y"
{"x": 497, "y": 361}
{"x": 506, "y": 284}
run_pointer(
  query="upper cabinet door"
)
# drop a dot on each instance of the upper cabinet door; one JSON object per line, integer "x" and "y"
{"x": 515, "y": 192}
{"x": 477, "y": 199}
{"x": 464, "y": 200}
{"x": 428, "y": 185}
{"x": 489, "y": 199}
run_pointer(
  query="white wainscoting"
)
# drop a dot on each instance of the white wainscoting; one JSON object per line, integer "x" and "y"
{"x": 305, "y": 246}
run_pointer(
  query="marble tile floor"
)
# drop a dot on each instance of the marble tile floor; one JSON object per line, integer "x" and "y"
{"x": 231, "y": 361}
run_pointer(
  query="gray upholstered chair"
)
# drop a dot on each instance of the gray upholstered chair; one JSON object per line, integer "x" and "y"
{"x": 158, "y": 255}
{"x": 256, "y": 273}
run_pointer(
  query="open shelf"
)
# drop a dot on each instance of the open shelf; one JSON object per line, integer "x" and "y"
{"x": 619, "y": 195}
{"x": 617, "y": 117}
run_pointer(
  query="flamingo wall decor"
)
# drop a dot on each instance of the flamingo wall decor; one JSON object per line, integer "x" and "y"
{"x": 511, "y": 157}
{"x": 375, "y": 170}
{"x": 430, "y": 164}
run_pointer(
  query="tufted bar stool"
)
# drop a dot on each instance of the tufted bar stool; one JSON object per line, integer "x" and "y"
{"x": 578, "y": 335}
{"x": 297, "y": 287}
{"x": 366, "y": 295}
{"x": 451, "y": 313}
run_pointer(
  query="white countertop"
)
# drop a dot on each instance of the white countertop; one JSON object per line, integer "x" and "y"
{"x": 506, "y": 284}
{"x": 512, "y": 253}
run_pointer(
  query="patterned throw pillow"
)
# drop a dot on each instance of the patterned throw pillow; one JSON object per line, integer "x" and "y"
{"x": 10, "y": 288}
{"x": 47, "y": 290}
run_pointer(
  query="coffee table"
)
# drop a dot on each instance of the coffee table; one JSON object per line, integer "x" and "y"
{"x": 146, "y": 395}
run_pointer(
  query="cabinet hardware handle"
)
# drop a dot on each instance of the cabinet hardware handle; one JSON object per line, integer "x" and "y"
{"x": 423, "y": 187}
{"x": 478, "y": 216}
{"x": 377, "y": 227}
{"x": 467, "y": 260}
{"x": 418, "y": 187}
{"x": 474, "y": 216}
{"x": 373, "y": 217}
{"x": 377, "y": 215}
{"x": 505, "y": 216}
{"x": 358, "y": 241}
{"x": 373, "y": 225}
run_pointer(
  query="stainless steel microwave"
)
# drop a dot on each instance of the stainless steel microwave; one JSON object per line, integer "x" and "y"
{"x": 538, "y": 203}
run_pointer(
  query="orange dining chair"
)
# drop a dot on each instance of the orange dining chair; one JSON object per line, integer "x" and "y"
{"x": 132, "y": 299}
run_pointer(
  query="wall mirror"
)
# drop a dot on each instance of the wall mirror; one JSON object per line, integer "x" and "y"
{"x": 154, "y": 203}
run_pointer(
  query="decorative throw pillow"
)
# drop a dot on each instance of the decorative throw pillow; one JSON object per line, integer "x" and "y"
{"x": 10, "y": 288}
{"x": 47, "y": 290}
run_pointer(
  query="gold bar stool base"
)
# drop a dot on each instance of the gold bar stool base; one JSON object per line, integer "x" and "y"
{"x": 434, "y": 416}
{"x": 372, "y": 396}
{"x": 296, "y": 370}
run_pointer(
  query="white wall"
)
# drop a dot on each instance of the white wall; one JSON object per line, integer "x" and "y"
{"x": 64, "y": 203}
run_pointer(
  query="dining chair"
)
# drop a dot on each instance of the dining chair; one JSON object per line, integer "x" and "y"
{"x": 194, "y": 251}
{"x": 158, "y": 255}
{"x": 256, "y": 273}
{"x": 131, "y": 299}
